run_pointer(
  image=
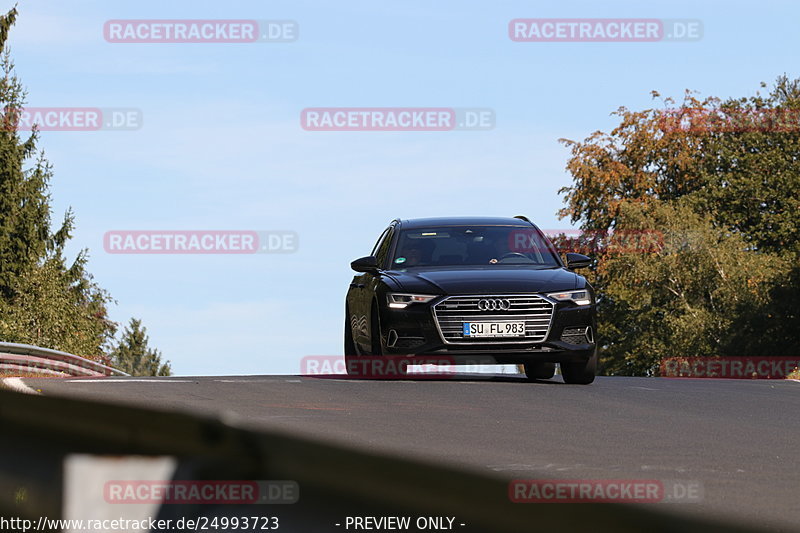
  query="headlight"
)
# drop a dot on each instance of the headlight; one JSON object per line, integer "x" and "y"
{"x": 579, "y": 297}
{"x": 401, "y": 301}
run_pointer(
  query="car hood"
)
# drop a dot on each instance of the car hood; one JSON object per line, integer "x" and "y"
{"x": 485, "y": 281}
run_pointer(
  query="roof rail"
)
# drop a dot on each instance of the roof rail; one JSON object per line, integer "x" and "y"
{"x": 523, "y": 217}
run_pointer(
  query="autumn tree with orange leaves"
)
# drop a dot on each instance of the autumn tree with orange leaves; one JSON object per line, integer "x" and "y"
{"x": 717, "y": 181}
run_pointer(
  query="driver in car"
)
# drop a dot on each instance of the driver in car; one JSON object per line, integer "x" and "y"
{"x": 416, "y": 253}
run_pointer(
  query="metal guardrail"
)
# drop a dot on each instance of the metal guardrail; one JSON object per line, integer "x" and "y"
{"x": 41, "y": 433}
{"x": 31, "y": 359}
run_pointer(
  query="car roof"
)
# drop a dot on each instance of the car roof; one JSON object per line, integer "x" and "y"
{"x": 414, "y": 223}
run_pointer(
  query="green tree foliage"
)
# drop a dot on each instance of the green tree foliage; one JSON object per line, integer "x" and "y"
{"x": 700, "y": 294}
{"x": 56, "y": 307}
{"x": 44, "y": 299}
{"x": 719, "y": 181}
{"x": 751, "y": 172}
{"x": 132, "y": 354}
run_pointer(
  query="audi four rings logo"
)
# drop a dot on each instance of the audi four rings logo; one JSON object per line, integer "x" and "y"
{"x": 494, "y": 304}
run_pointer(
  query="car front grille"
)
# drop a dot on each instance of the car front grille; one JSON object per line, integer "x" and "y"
{"x": 452, "y": 312}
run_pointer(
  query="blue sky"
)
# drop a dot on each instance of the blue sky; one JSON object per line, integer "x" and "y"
{"x": 222, "y": 148}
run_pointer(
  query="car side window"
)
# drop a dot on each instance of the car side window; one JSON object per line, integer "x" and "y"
{"x": 380, "y": 240}
{"x": 381, "y": 251}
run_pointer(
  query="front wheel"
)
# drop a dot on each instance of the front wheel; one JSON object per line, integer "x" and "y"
{"x": 350, "y": 350}
{"x": 540, "y": 370}
{"x": 581, "y": 373}
{"x": 349, "y": 343}
{"x": 375, "y": 332}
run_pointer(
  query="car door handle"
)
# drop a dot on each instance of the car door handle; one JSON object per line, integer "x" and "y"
{"x": 357, "y": 285}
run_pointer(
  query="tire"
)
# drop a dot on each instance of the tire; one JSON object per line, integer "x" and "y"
{"x": 350, "y": 350}
{"x": 349, "y": 343}
{"x": 349, "y": 368}
{"x": 376, "y": 347}
{"x": 540, "y": 370}
{"x": 580, "y": 373}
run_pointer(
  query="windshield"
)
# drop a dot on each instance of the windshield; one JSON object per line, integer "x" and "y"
{"x": 473, "y": 246}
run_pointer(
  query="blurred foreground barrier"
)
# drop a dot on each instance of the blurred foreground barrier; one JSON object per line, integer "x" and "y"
{"x": 44, "y": 438}
{"x": 27, "y": 359}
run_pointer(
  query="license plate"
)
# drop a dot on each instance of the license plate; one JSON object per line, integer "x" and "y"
{"x": 494, "y": 329}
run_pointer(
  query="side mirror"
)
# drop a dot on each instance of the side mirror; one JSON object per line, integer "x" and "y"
{"x": 577, "y": 261}
{"x": 365, "y": 264}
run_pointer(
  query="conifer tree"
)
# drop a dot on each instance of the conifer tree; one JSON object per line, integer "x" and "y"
{"x": 44, "y": 299}
{"x": 134, "y": 356}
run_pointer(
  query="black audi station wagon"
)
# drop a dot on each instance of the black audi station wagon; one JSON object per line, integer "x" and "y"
{"x": 473, "y": 289}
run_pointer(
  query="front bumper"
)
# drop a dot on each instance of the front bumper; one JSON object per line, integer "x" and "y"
{"x": 413, "y": 331}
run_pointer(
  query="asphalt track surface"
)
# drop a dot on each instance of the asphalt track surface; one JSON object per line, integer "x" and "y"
{"x": 738, "y": 439}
